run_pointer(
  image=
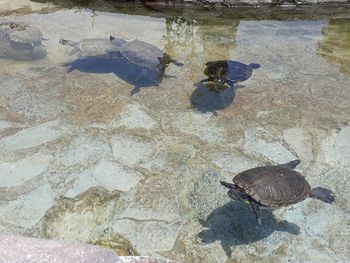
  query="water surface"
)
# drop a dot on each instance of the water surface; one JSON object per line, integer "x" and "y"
{"x": 83, "y": 159}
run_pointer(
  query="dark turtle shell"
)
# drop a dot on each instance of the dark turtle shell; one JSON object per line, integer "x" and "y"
{"x": 231, "y": 70}
{"x": 273, "y": 186}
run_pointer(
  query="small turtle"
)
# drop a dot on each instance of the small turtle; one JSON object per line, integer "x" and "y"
{"x": 94, "y": 46}
{"x": 274, "y": 186}
{"x": 228, "y": 72}
{"x": 21, "y": 42}
{"x": 147, "y": 57}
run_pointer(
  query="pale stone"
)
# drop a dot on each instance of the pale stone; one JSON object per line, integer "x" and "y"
{"x": 133, "y": 117}
{"x": 111, "y": 176}
{"x": 31, "y": 250}
{"x": 27, "y": 210}
{"x": 34, "y": 250}
{"x": 149, "y": 236}
{"x": 38, "y": 106}
{"x": 300, "y": 141}
{"x": 169, "y": 155}
{"x": 336, "y": 147}
{"x": 156, "y": 199}
{"x": 17, "y": 173}
{"x": 8, "y": 124}
{"x": 84, "y": 150}
{"x": 232, "y": 163}
{"x": 207, "y": 194}
{"x": 34, "y": 136}
{"x": 199, "y": 125}
{"x": 274, "y": 151}
{"x": 131, "y": 150}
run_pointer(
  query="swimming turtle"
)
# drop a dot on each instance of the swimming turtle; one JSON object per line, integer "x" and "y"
{"x": 149, "y": 60}
{"x": 274, "y": 186}
{"x": 21, "y": 41}
{"x": 94, "y": 46}
{"x": 228, "y": 72}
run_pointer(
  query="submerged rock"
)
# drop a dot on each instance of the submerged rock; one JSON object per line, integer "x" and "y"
{"x": 81, "y": 218}
{"x": 27, "y": 210}
{"x": 118, "y": 243}
{"x": 33, "y": 250}
{"x": 34, "y": 136}
{"x": 17, "y": 173}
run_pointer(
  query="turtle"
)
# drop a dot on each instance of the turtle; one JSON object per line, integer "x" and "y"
{"x": 20, "y": 41}
{"x": 149, "y": 60}
{"x": 228, "y": 72}
{"x": 94, "y": 46}
{"x": 274, "y": 186}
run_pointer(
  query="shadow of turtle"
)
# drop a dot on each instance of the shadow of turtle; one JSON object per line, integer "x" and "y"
{"x": 210, "y": 99}
{"x": 234, "y": 224}
{"x": 131, "y": 73}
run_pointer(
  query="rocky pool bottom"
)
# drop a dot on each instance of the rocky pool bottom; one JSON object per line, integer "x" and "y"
{"x": 81, "y": 160}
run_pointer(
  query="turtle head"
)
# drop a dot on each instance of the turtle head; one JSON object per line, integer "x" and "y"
{"x": 254, "y": 65}
{"x": 63, "y": 41}
{"x": 116, "y": 41}
{"x": 235, "y": 192}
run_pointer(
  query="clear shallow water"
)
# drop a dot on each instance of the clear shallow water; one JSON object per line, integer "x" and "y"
{"x": 81, "y": 159}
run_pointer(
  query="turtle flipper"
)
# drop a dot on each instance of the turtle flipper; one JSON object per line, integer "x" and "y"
{"x": 229, "y": 82}
{"x": 323, "y": 194}
{"x": 74, "y": 50}
{"x": 168, "y": 76}
{"x": 291, "y": 165}
{"x": 256, "y": 209}
{"x": 177, "y": 63}
{"x": 135, "y": 90}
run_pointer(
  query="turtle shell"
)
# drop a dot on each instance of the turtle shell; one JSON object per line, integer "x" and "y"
{"x": 143, "y": 54}
{"x": 24, "y": 34}
{"x": 273, "y": 186}
{"x": 229, "y": 69}
{"x": 97, "y": 46}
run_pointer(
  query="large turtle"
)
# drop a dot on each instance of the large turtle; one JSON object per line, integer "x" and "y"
{"x": 149, "y": 59}
{"x": 228, "y": 72}
{"x": 20, "y": 41}
{"x": 274, "y": 186}
{"x": 94, "y": 46}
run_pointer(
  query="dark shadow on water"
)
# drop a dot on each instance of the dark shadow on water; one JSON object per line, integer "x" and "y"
{"x": 235, "y": 224}
{"x": 205, "y": 99}
{"x": 135, "y": 75}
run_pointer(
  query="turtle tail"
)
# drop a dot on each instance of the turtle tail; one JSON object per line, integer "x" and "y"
{"x": 254, "y": 65}
{"x": 177, "y": 63}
